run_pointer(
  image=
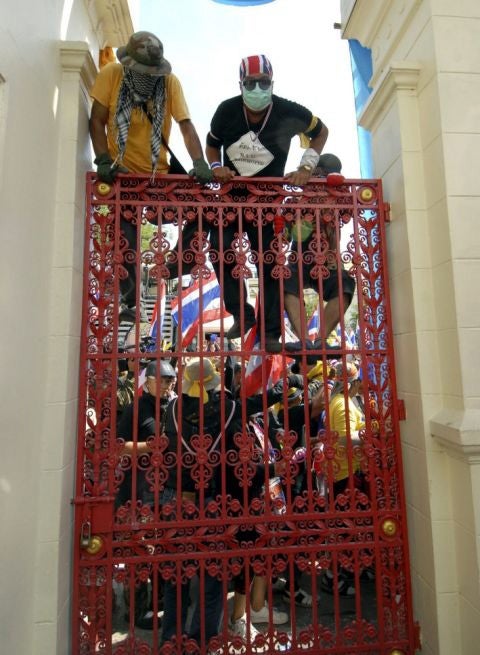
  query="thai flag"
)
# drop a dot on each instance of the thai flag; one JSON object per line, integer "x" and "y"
{"x": 200, "y": 297}
{"x": 313, "y": 326}
{"x": 257, "y": 375}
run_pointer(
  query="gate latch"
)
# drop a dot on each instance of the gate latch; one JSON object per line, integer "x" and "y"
{"x": 85, "y": 534}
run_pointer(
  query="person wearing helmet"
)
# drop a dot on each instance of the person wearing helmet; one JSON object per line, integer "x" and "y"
{"x": 136, "y": 438}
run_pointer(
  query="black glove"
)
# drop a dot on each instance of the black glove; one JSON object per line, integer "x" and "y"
{"x": 201, "y": 171}
{"x": 105, "y": 171}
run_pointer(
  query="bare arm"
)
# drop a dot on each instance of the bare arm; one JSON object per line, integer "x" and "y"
{"x": 98, "y": 125}
{"x": 190, "y": 137}
{"x": 318, "y": 142}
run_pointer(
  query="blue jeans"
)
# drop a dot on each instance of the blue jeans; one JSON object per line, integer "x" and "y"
{"x": 211, "y": 604}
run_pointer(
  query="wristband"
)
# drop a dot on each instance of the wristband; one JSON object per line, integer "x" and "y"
{"x": 310, "y": 158}
{"x": 215, "y": 164}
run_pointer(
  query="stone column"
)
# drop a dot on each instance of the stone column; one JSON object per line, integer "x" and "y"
{"x": 52, "y": 584}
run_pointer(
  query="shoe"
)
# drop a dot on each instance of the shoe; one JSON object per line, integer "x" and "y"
{"x": 236, "y": 330}
{"x": 368, "y": 575}
{"x": 311, "y": 359}
{"x": 302, "y": 597}
{"x": 238, "y": 628}
{"x": 344, "y": 584}
{"x": 272, "y": 345}
{"x": 279, "y": 584}
{"x": 144, "y": 622}
{"x": 263, "y": 615}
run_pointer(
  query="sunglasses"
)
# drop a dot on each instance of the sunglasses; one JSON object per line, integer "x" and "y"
{"x": 264, "y": 83}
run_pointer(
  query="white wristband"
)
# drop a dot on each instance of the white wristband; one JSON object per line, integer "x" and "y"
{"x": 310, "y": 158}
{"x": 215, "y": 164}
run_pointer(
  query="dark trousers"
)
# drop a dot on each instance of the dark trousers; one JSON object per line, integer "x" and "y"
{"x": 231, "y": 281}
{"x": 128, "y": 285}
{"x": 211, "y": 605}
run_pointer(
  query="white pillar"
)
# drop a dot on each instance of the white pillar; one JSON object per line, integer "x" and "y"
{"x": 52, "y": 585}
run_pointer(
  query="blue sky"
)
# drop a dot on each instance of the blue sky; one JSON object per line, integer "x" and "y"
{"x": 205, "y": 41}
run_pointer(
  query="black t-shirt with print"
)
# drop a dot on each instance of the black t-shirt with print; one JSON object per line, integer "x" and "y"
{"x": 286, "y": 120}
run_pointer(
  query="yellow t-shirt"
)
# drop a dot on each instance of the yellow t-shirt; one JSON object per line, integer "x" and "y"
{"x": 338, "y": 423}
{"x": 137, "y": 156}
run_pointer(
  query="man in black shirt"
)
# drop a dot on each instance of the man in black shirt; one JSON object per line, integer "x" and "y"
{"x": 253, "y": 131}
{"x": 150, "y": 407}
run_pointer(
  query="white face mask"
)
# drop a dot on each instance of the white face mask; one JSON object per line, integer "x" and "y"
{"x": 257, "y": 99}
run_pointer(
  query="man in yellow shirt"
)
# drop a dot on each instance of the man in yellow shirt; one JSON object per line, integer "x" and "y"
{"x": 346, "y": 420}
{"x": 134, "y": 102}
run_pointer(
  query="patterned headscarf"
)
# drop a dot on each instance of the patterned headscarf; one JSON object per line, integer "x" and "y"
{"x": 135, "y": 91}
{"x": 255, "y": 65}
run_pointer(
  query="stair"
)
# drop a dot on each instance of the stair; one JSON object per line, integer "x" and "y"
{"x": 168, "y": 324}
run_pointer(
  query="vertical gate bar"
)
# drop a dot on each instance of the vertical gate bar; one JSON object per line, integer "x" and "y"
{"x": 398, "y": 449}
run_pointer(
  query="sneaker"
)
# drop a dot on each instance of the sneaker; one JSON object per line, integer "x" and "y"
{"x": 279, "y": 584}
{"x": 238, "y": 631}
{"x": 345, "y": 584}
{"x": 302, "y": 598}
{"x": 263, "y": 615}
{"x": 238, "y": 628}
{"x": 144, "y": 622}
{"x": 297, "y": 346}
{"x": 236, "y": 330}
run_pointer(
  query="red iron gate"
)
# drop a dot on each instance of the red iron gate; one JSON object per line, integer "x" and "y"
{"x": 174, "y": 533}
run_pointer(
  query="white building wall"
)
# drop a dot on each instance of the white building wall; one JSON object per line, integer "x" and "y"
{"x": 47, "y": 55}
{"x": 424, "y": 119}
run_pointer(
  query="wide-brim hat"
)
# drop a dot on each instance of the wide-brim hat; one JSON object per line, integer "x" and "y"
{"x": 144, "y": 54}
{"x": 199, "y": 377}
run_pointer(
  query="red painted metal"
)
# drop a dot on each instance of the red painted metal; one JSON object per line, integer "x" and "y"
{"x": 321, "y": 528}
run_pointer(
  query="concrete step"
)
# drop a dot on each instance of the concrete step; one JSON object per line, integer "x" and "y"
{"x": 149, "y": 302}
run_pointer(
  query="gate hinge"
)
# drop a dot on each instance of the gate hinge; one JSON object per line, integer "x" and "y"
{"x": 401, "y": 410}
{"x": 417, "y": 641}
{"x": 386, "y": 212}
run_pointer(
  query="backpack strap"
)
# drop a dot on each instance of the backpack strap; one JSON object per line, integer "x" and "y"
{"x": 174, "y": 415}
{"x": 227, "y": 423}
{"x": 217, "y": 440}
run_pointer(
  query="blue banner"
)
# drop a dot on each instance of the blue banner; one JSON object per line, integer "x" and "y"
{"x": 361, "y": 62}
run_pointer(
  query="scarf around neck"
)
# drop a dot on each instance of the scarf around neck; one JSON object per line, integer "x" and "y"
{"x": 136, "y": 89}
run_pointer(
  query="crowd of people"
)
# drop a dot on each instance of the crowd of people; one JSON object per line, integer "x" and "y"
{"x": 196, "y": 406}
{"x": 197, "y": 414}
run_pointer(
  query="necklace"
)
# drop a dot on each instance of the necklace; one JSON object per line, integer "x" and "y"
{"x": 267, "y": 116}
